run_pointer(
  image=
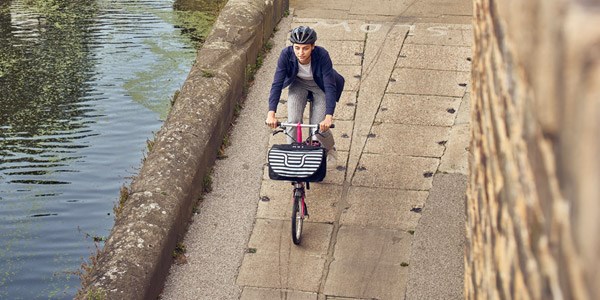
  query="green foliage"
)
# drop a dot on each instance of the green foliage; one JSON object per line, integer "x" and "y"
{"x": 207, "y": 183}
{"x": 123, "y": 196}
{"x": 174, "y": 98}
{"x": 268, "y": 45}
{"x": 149, "y": 144}
{"x": 221, "y": 152}
{"x": 95, "y": 293}
{"x": 195, "y": 24}
{"x": 180, "y": 249}
{"x": 208, "y": 73}
{"x": 87, "y": 291}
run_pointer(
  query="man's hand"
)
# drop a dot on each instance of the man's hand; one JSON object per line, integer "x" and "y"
{"x": 271, "y": 119}
{"x": 324, "y": 126}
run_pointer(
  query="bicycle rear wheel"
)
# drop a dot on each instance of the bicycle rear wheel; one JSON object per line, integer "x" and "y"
{"x": 297, "y": 220}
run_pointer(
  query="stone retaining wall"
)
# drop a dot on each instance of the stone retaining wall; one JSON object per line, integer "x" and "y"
{"x": 138, "y": 253}
{"x": 534, "y": 192}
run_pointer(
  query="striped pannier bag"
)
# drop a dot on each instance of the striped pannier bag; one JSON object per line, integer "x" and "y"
{"x": 297, "y": 162}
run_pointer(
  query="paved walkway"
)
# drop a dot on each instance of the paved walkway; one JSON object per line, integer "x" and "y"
{"x": 388, "y": 221}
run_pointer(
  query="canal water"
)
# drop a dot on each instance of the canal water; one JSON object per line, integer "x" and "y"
{"x": 83, "y": 85}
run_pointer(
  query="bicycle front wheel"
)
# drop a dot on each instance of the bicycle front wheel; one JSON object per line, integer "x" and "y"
{"x": 297, "y": 220}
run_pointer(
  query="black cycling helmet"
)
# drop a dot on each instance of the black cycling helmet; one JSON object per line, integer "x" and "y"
{"x": 303, "y": 35}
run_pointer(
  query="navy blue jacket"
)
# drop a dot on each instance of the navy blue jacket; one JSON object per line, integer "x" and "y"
{"x": 324, "y": 75}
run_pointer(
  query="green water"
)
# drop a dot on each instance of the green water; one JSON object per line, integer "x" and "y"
{"x": 83, "y": 85}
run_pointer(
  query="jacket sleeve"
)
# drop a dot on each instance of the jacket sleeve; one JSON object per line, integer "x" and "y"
{"x": 279, "y": 77}
{"x": 329, "y": 83}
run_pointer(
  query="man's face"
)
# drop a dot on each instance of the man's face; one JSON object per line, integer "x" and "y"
{"x": 303, "y": 52}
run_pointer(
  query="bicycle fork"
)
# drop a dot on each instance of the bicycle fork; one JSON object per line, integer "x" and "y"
{"x": 299, "y": 192}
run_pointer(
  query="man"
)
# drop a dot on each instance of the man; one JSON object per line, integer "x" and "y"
{"x": 309, "y": 73}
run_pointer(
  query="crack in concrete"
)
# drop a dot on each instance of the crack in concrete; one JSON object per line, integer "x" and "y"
{"x": 343, "y": 203}
{"x": 341, "y": 207}
{"x": 427, "y": 95}
{"x": 373, "y": 63}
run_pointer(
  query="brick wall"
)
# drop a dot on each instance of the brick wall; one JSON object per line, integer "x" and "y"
{"x": 533, "y": 206}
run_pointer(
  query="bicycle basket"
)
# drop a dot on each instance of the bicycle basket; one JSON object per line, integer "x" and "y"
{"x": 297, "y": 162}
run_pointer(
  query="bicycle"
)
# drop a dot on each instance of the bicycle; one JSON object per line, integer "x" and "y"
{"x": 301, "y": 162}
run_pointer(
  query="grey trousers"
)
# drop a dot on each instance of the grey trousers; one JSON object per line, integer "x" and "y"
{"x": 297, "y": 99}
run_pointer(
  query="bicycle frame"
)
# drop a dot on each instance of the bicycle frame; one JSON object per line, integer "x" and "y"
{"x": 299, "y": 191}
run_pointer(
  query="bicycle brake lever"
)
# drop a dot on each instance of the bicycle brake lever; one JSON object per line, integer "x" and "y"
{"x": 277, "y": 131}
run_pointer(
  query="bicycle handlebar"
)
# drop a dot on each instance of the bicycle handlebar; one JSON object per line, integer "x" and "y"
{"x": 314, "y": 126}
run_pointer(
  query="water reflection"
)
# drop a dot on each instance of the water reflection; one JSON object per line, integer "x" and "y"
{"x": 83, "y": 84}
{"x": 43, "y": 67}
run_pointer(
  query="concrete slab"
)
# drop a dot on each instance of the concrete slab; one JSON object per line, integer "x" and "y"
{"x": 385, "y": 208}
{"x": 418, "y": 110}
{"x": 344, "y": 298}
{"x": 342, "y": 134}
{"x": 435, "y": 8}
{"x": 456, "y": 156}
{"x": 428, "y": 82}
{"x": 455, "y": 58}
{"x": 362, "y": 244}
{"x": 379, "y": 7}
{"x": 464, "y": 112}
{"x": 446, "y": 19}
{"x": 306, "y": 4}
{"x": 451, "y": 26}
{"x": 273, "y": 261}
{"x": 395, "y": 171}
{"x": 436, "y": 268}
{"x": 269, "y": 271}
{"x": 336, "y": 169}
{"x": 441, "y": 34}
{"x": 313, "y": 12}
{"x": 251, "y": 293}
{"x": 321, "y": 200}
{"x": 366, "y": 280}
{"x": 344, "y": 52}
{"x": 334, "y": 30}
{"x": 270, "y": 236}
{"x": 368, "y": 263}
{"x": 352, "y": 75}
{"x": 413, "y": 140}
{"x": 345, "y": 108}
{"x": 384, "y": 42}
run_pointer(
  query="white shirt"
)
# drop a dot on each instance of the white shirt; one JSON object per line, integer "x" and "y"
{"x": 305, "y": 71}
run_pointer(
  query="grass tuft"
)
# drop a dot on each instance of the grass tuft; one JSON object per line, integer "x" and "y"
{"x": 208, "y": 73}
{"x": 123, "y": 196}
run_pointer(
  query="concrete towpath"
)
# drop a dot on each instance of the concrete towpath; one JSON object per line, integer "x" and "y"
{"x": 388, "y": 221}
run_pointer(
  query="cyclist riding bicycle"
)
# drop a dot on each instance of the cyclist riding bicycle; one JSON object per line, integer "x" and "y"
{"x": 308, "y": 72}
